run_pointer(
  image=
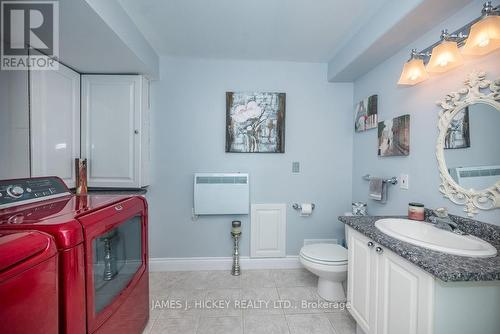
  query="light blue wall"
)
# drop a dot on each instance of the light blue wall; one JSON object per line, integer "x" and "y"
{"x": 419, "y": 102}
{"x": 188, "y": 133}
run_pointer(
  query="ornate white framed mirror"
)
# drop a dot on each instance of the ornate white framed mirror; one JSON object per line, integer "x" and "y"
{"x": 468, "y": 144}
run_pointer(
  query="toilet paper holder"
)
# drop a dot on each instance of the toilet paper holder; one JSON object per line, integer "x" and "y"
{"x": 298, "y": 207}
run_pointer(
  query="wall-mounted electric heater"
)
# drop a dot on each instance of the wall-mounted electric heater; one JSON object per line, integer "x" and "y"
{"x": 221, "y": 194}
{"x": 475, "y": 177}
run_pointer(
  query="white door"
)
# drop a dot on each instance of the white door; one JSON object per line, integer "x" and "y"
{"x": 361, "y": 280}
{"x": 111, "y": 129}
{"x": 55, "y": 123}
{"x": 405, "y": 300}
{"x": 268, "y": 230}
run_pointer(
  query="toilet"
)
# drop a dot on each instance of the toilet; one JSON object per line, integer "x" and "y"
{"x": 329, "y": 262}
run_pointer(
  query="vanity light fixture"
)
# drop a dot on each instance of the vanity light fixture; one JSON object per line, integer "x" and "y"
{"x": 478, "y": 37}
{"x": 414, "y": 70}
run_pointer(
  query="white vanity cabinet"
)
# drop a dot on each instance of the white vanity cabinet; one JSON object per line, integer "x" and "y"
{"x": 115, "y": 130}
{"x": 405, "y": 295}
{"x": 362, "y": 280}
{"x": 388, "y": 295}
{"x": 55, "y": 123}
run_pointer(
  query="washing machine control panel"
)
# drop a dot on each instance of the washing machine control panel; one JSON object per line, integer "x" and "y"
{"x": 24, "y": 191}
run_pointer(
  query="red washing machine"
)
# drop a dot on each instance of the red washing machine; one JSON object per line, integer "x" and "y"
{"x": 28, "y": 283}
{"x": 102, "y": 252}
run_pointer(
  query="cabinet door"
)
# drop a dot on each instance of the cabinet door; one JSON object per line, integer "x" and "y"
{"x": 55, "y": 123}
{"x": 110, "y": 130}
{"x": 145, "y": 132}
{"x": 268, "y": 230}
{"x": 14, "y": 125}
{"x": 405, "y": 300}
{"x": 361, "y": 280}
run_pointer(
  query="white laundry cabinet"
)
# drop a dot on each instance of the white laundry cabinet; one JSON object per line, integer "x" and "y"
{"x": 115, "y": 130}
{"x": 103, "y": 118}
{"x": 54, "y": 122}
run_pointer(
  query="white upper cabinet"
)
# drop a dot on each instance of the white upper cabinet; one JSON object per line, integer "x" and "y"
{"x": 14, "y": 125}
{"x": 145, "y": 151}
{"x": 55, "y": 123}
{"x": 115, "y": 136}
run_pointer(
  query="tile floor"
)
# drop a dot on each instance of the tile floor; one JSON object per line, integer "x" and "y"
{"x": 257, "y": 302}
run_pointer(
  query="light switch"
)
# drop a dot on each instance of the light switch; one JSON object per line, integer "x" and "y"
{"x": 295, "y": 167}
{"x": 403, "y": 181}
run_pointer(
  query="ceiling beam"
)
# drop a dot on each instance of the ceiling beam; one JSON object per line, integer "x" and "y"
{"x": 118, "y": 20}
{"x": 99, "y": 37}
{"x": 394, "y": 26}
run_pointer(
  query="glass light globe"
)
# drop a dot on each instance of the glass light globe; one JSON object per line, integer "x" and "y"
{"x": 445, "y": 56}
{"x": 484, "y": 36}
{"x": 413, "y": 73}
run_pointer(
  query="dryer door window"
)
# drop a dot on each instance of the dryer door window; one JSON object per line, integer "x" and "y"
{"x": 117, "y": 256}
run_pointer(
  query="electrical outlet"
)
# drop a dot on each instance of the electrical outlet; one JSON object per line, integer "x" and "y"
{"x": 295, "y": 167}
{"x": 194, "y": 217}
{"x": 403, "y": 181}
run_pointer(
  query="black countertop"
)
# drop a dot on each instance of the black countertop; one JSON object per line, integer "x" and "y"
{"x": 108, "y": 191}
{"x": 446, "y": 267}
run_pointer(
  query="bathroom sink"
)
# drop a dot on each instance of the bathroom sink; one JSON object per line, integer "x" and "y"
{"x": 428, "y": 236}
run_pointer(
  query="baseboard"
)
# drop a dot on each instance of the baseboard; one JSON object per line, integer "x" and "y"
{"x": 221, "y": 263}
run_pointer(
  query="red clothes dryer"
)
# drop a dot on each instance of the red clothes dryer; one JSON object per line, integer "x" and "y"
{"x": 28, "y": 283}
{"x": 102, "y": 248}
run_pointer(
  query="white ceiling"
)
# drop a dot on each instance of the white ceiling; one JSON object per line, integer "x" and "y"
{"x": 290, "y": 30}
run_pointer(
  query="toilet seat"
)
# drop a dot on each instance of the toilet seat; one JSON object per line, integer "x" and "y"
{"x": 328, "y": 254}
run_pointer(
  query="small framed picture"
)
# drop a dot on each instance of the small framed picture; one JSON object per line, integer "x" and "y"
{"x": 366, "y": 112}
{"x": 394, "y": 137}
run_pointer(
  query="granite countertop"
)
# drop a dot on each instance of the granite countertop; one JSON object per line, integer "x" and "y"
{"x": 446, "y": 267}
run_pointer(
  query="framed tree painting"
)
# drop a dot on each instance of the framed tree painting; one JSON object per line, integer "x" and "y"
{"x": 255, "y": 122}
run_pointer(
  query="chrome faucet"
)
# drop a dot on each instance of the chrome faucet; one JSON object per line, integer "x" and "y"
{"x": 442, "y": 220}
